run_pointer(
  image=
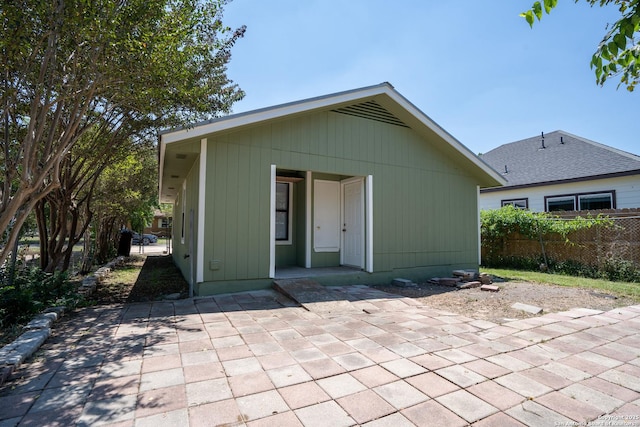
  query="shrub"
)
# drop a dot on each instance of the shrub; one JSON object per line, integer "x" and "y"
{"x": 575, "y": 268}
{"x": 32, "y": 291}
{"x": 515, "y": 262}
{"x": 620, "y": 270}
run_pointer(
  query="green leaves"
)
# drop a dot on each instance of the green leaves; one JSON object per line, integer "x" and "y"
{"x": 131, "y": 67}
{"x": 536, "y": 10}
{"x": 499, "y": 223}
{"x": 528, "y": 15}
{"x": 619, "y": 50}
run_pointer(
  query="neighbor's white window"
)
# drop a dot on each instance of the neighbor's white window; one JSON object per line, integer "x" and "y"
{"x": 284, "y": 198}
{"x": 563, "y": 203}
{"x": 517, "y": 203}
{"x": 595, "y": 201}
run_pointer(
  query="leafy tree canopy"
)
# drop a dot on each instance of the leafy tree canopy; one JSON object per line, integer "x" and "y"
{"x": 70, "y": 67}
{"x": 619, "y": 51}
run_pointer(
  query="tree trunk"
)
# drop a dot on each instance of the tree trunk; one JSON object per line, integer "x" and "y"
{"x": 87, "y": 253}
{"x": 105, "y": 241}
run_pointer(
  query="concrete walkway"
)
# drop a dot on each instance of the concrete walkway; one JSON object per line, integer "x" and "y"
{"x": 254, "y": 359}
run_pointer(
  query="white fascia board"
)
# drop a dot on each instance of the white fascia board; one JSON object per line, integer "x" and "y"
{"x": 202, "y": 192}
{"x": 162, "y": 148}
{"x": 270, "y": 113}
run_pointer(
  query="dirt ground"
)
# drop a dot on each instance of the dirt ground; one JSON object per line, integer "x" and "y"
{"x": 496, "y": 306}
{"x": 142, "y": 278}
{"x": 158, "y": 277}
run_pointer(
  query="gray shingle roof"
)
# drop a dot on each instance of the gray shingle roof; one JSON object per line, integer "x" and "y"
{"x": 565, "y": 157}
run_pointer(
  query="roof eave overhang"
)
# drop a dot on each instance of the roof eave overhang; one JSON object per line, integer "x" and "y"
{"x": 488, "y": 177}
{"x": 563, "y": 181}
{"x": 272, "y": 113}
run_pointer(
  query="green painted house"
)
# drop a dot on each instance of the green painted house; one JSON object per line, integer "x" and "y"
{"x": 356, "y": 187}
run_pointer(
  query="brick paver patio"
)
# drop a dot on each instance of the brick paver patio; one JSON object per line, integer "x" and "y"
{"x": 252, "y": 359}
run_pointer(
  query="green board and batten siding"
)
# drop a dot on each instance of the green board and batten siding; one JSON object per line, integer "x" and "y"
{"x": 424, "y": 204}
{"x": 181, "y": 246}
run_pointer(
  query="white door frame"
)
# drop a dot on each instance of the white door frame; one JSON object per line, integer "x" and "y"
{"x": 368, "y": 190}
{"x": 192, "y": 258}
{"x": 272, "y": 223}
{"x": 363, "y": 229}
{"x": 368, "y": 212}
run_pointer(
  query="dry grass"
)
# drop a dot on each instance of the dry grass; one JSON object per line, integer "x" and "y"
{"x": 142, "y": 278}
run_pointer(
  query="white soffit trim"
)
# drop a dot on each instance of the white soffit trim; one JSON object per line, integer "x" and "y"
{"x": 161, "y": 167}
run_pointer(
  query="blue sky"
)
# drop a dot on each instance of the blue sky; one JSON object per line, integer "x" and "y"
{"x": 476, "y": 68}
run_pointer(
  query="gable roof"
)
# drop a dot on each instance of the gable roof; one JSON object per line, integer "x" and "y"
{"x": 562, "y": 157}
{"x": 379, "y": 102}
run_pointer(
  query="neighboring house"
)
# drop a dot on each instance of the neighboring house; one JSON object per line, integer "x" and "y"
{"x": 359, "y": 178}
{"x": 160, "y": 226}
{"x": 559, "y": 171}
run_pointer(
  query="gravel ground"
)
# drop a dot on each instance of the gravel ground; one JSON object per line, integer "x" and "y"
{"x": 158, "y": 277}
{"x": 496, "y": 306}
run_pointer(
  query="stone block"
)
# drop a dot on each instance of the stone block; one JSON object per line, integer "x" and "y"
{"x": 5, "y": 372}
{"x": 58, "y": 310}
{"x": 405, "y": 283}
{"x": 448, "y": 281}
{"x": 469, "y": 285}
{"x": 489, "y": 288}
{"x": 528, "y": 308}
{"x": 24, "y": 346}
{"x": 41, "y": 321}
{"x": 466, "y": 274}
{"x": 486, "y": 279}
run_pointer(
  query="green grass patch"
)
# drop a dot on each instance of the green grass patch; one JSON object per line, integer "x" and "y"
{"x": 125, "y": 274}
{"x": 620, "y": 289}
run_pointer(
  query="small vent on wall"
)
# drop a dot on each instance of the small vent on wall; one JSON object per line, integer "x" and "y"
{"x": 373, "y": 111}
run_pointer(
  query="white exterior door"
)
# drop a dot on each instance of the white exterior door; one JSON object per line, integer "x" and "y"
{"x": 326, "y": 216}
{"x": 353, "y": 230}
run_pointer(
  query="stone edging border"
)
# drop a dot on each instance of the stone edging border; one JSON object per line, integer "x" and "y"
{"x": 38, "y": 329}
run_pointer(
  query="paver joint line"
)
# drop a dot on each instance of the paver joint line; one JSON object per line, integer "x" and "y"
{"x": 238, "y": 358}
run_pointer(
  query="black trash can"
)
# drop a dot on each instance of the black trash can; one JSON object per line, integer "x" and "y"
{"x": 124, "y": 246}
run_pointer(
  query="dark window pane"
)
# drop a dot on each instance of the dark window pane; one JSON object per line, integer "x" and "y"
{"x": 282, "y": 196}
{"x": 520, "y": 203}
{"x": 595, "y": 201}
{"x": 282, "y": 211}
{"x": 565, "y": 204}
{"x": 282, "y": 226}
